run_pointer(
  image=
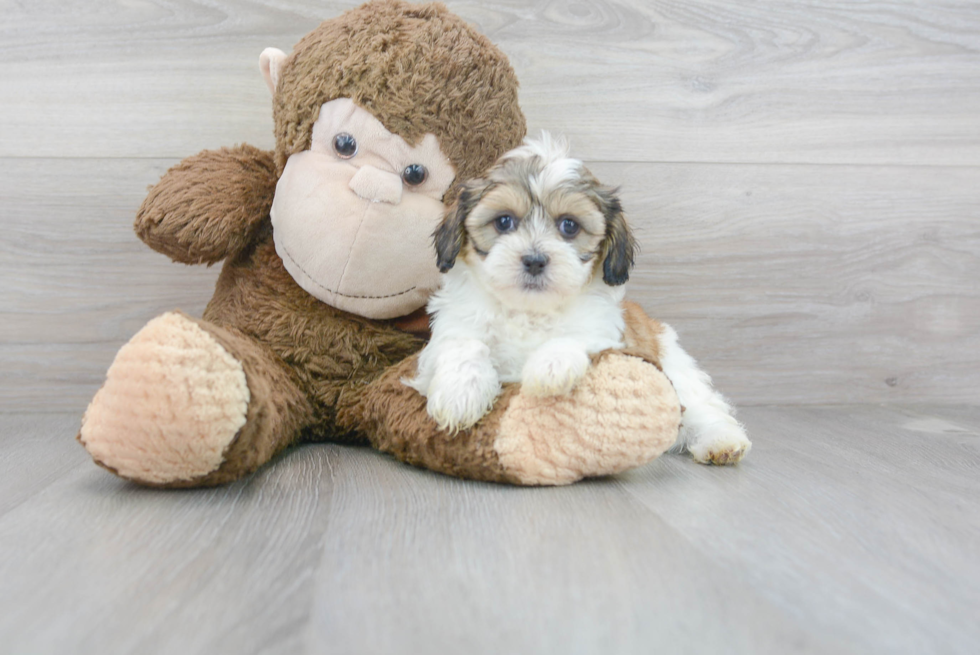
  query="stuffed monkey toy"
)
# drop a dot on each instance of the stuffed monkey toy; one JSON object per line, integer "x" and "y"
{"x": 328, "y": 261}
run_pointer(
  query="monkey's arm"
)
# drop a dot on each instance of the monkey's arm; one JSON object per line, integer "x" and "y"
{"x": 204, "y": 208}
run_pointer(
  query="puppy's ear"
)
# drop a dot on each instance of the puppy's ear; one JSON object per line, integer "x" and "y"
{"x": 451, "y": 233}
{"x": 620, "y": 246}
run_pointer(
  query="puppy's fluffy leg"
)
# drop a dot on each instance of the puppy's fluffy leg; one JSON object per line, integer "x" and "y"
{"x": 554, "y": 368}
{"x": 463, "y": 383}
{"x": 708, "y": 428}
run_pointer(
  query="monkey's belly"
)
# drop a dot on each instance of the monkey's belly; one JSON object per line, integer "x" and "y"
{"x": 328, "y": 348}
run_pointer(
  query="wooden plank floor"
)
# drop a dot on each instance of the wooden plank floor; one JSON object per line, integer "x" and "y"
{"x": 848, "y": 529}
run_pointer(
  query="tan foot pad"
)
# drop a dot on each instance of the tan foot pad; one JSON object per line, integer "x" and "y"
{"x": 622, "y": 414}
{"x": 173, "y": 400}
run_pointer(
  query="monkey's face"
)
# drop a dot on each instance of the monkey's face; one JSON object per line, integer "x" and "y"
{"x": 353, "y": 216}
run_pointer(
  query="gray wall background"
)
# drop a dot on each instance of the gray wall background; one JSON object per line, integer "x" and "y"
{"x": 804, "y": 177}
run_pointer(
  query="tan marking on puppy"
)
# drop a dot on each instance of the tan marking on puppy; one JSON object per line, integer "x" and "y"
{"x": 580, "y": 207}
{"x": 540, "y": 205}
{"x": 497, "y": 201}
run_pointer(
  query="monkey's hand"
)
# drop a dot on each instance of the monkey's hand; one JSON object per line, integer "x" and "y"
{"x": 205, "y": 208}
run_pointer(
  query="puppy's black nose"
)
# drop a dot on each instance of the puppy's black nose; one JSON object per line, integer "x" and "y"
{"x": 534, "y": 264}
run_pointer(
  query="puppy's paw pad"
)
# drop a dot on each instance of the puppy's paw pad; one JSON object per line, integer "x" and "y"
{"x": 722, "y": 457}
{"x": 722, "y": 448}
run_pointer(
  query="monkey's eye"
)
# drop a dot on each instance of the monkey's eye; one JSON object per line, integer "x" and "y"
{"x": 568, "y": 227}
{"x": 345, "y": 145}
{"x": 414, "y": 174}
{"x": 505, "y": 223}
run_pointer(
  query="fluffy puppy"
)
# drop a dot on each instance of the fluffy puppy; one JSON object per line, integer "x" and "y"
{"x": 545, "y": 252}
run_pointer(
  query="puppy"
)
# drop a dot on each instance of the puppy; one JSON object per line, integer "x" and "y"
{"x": 546, "y": 252}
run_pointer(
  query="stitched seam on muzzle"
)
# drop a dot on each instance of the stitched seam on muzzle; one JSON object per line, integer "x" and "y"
{"x": 338, "y": 293}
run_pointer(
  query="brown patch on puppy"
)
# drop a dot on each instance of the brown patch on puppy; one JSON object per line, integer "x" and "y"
{"x": 579, "y": 207}
{"x": 451, "y": 233}
{"x": 642, "y": 334}
{"x": 513, "y": 194}
{"x": 619, "y": 249}
{"x": 498, "y": 200}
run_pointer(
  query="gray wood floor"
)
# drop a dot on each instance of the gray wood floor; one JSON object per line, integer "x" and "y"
{"x": 848, "y": 529}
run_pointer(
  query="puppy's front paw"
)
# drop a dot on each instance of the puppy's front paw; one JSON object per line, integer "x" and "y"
{"x": 460, "y": 407}
{"x": 462, "y": 392}
{"x": 553, "y": 370}
{"x": 722, "y": 444}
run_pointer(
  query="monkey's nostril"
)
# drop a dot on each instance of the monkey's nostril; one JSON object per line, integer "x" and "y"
{"x": 534, "y": 264}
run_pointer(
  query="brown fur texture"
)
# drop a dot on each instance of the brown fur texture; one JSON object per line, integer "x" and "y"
{"x": 330, "y": 352}
{"x": 451, "y": 234}
{"x": 418, "y": 68}
{"x": 395, "y": 418}
{"x": 315, "y": 372}
{"x": 205, "y": 208}
{"x": 620, "y": 246}
{"x": 642, "y": 334}
{"x": 277, "y": 413}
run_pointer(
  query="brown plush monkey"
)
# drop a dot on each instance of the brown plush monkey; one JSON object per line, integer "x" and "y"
{"x": 328, "y": 259}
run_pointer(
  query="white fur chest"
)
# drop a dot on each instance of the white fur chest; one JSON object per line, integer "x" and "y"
{"x": 463, "y": 310}
{"x": 513, "y": 336}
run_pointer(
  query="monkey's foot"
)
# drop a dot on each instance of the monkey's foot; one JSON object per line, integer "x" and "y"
{"x": 172, "y": 403}
{"x": 622, "y": 414}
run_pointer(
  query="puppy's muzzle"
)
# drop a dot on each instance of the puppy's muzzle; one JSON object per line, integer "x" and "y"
{"x": 534, "y": 264}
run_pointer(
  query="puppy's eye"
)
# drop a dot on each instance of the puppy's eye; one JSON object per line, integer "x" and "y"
{"x": 504, "y": 223}
{"x": 414, "y": 174}
{"x": 568, "y": 227}
{"x": 345, "y": 145}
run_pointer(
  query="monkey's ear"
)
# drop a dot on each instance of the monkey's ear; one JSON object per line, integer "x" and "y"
{"x": 449, "y": 236}
{"x": 270, "y": 61}
{"x": 620, "y": 247}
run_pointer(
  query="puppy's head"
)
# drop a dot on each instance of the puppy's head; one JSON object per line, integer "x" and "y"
{"x": 537, "y": 229}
